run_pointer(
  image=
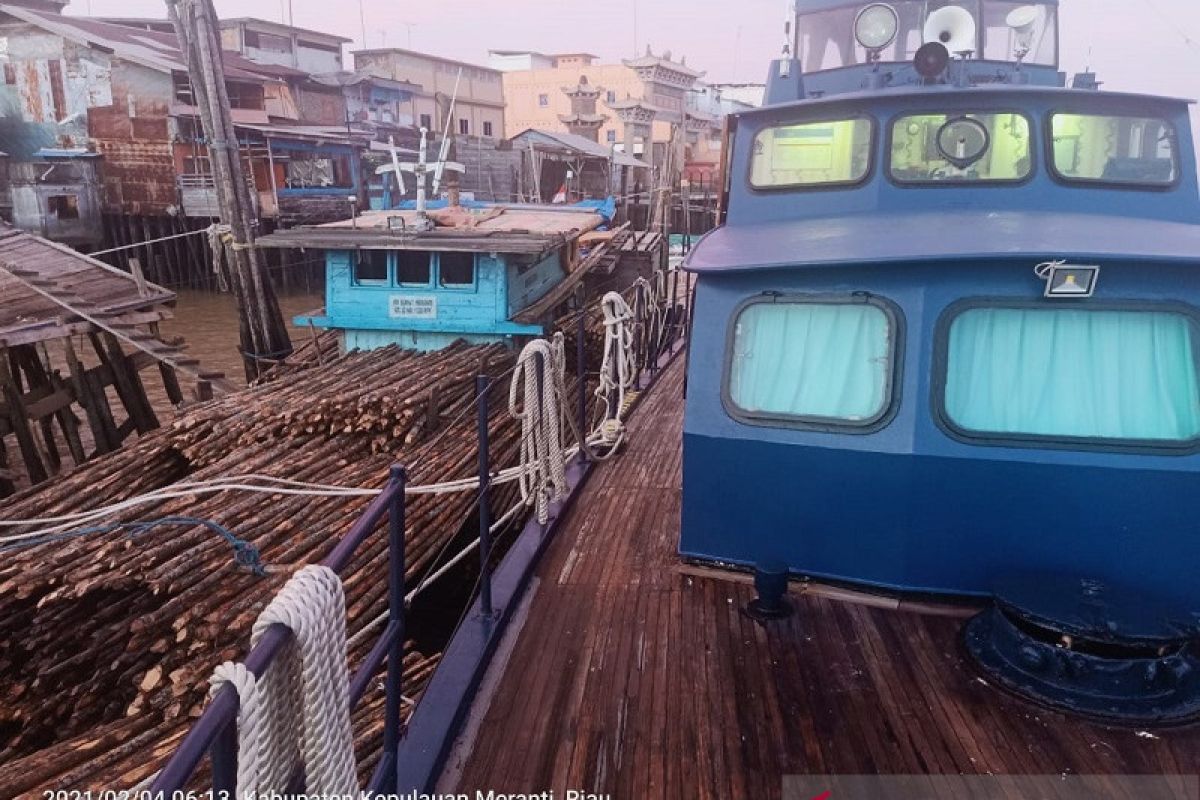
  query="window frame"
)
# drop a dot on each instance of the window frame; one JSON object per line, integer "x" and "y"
{"x": 894, "y": 378}
{"x": 430, "y": 283}
{"x": 389, "y": 271}
{"x": 457, "y": 287}
{"x": 1031, "y": 441}
{"x": 1093, "y": 183}
{"x": 1006, "y": 183}
{"x": 868, "y": 175}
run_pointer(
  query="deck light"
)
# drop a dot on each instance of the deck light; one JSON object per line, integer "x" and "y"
{"x": 1065, "y": 280}
{"x": 875, "y": 26}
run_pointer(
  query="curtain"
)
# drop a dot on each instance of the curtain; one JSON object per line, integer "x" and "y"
{"x": 811, "y": 360}
{"x": 1073, "y": 373}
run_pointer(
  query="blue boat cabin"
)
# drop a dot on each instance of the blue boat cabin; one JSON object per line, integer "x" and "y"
{"x": 950, "y": 328}
{"x": 468, "y": 278}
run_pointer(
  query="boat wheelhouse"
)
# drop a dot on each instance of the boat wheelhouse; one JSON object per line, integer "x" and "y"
{"x": 483, "y": 275}
{"x": 949, "y": 332}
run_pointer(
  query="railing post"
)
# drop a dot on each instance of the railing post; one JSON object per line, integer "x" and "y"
{"x": 224, "y": 760}
{"x": 396, "y": 591}
{"x": 482, "y": 385}
{"x": 581, "y": 371}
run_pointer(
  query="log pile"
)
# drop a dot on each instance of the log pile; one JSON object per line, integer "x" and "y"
{"x": 109, "y": 637}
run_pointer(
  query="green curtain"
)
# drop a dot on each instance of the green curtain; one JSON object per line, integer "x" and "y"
{"x": 811, "y": 360}
{"x": 1073, "y": 373}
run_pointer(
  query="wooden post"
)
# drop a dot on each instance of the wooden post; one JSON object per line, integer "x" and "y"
{"x": 126, "y": 377}
{"x": 103, "y": 434}
{"x": 262, "y": 330}
{"x": 20, "y": 421}
{"x": 169, "y": 378}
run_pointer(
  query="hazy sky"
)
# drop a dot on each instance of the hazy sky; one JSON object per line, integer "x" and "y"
{"x": 1149, "y": 45}
{"x": 1136, "y": 45}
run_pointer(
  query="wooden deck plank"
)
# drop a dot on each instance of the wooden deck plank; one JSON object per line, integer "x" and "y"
{"x": 633, "y": 677}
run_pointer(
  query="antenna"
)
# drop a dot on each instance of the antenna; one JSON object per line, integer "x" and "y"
{"x": 444, "y": 150}
{"x": 421, "y": 171}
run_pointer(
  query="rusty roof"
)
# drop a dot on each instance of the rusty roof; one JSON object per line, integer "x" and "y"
{"x": 48, "y": 290}
{"x": 157, "y": 51}
{"x": 511, "y": 228}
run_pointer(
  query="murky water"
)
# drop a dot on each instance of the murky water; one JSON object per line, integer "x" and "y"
{"x": 208, "y": 322}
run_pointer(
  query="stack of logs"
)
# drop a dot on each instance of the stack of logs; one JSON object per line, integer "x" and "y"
{"x": 109, "y": 637}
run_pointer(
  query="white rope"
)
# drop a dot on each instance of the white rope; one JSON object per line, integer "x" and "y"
{"x": 543, "y": 477}
{"x": 301, "y": 706}
{"x": 197, "y": 232}
{"x": 249, "y": 718}
{"x": 429, "y": 579}
{"x": 619, "y": 358}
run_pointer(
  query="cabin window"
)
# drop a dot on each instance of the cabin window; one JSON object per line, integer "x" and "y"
{"x": 812, "y": 154}
{"x": 1137, "y": 151}
{"x": 1073, "y": 374}
{"x": 371, "y": 267}
{"x": 456, "y": 270}
{"x": 816, "y": 361}
{"x": 412, "y": 268}
{"x": 960, "y": 148}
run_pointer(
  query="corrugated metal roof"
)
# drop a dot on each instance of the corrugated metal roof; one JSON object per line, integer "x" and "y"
{"x": 78, "y": 281}
{"x": 576, "y": 144}
{"x": 158, "y": 51}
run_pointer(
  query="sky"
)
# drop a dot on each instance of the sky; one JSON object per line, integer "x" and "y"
{"x": 1141, "y": 45}
{"x": 1134, "y": 45}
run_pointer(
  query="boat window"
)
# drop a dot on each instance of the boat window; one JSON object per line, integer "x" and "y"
{"x": 370, "y": 267}
{"x": 1110, "y": 149}
{"x": 812, "y": 154}
{"x": 412, "y": 268}
{"x": 1072, "y": 373}
{"x": 960, "y": 148}
{"x": 815, "y": 361}
{"x": 456, "y": 270}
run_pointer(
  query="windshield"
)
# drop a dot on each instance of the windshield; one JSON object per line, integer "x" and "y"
{"x": 826, "y": 38}
{"x": 935, "y": 148}
{"x": 812, "y": 154}
{"x": 1112, "y": 149}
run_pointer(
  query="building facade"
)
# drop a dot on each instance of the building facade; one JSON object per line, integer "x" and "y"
{"x": 479, "y": 109}
{"x": 274, "y": 43}
{"x": 637, "y": 101}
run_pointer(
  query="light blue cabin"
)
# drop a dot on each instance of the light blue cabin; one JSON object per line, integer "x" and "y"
{"x": 489, "y": 275}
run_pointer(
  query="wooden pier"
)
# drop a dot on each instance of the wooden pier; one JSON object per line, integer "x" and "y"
{"x": 636, "y": 675}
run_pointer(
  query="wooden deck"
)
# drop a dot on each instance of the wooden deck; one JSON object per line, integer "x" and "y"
{"x": 635, "y": 676}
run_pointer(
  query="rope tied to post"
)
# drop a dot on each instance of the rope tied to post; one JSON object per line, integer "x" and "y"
{"x": 619, "y": 357}
{"x": 300, "y": 708}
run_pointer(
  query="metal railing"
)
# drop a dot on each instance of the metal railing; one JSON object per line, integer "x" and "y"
{"x": 215, "y": 732}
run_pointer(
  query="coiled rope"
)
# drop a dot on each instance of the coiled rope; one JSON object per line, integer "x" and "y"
{"x": 539, "y": 410}
{"x": 301, "y": 705}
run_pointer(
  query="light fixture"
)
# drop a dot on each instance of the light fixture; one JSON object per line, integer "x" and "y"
{"x": 1068, "y": 281}
{"x": 1023, "y": 22}
{"x": 876, "y": 25}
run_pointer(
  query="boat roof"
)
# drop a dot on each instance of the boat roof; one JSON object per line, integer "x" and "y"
{"x": 498, "y": 229}
{"x": 891, "y": 94}
{"x": 966, "y": 234}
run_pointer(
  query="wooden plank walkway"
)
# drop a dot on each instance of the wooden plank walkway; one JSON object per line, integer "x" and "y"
{"x": 638, "y": 678}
